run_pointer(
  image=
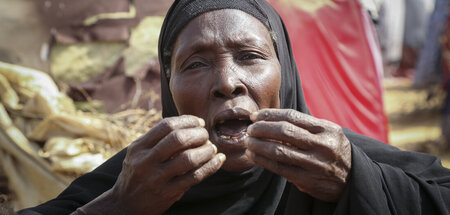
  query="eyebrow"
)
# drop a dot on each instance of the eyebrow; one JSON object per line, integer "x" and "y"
{"x": 248, "y": 42}
{"x": 202, "y": 45}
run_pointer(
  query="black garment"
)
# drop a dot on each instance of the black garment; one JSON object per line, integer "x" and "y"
{"x": 383, "y": 179}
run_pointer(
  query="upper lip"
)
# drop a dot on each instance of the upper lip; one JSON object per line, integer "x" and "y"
{"x": 233, "y": 113}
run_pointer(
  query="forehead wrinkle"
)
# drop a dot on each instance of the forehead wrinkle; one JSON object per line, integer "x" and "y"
{"x": 237, "y": 37}
{"x": 208, "y": 39}
{"x": 209, "y": 31}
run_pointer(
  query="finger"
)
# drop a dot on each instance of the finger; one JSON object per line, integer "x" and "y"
{"x": 274, "y": 166}
{"x": 285, "y": 154}
{"x": 190, "y": 159}
{"x": 178, "y": 140}
{"x": 164, "y": 127}
{"x": 284, "y": 132}
{"x": 297, "y": 118}
{"x": 291, "y": 173}
{"x": 185, "y": 182}
{"x": 306, "y": 181}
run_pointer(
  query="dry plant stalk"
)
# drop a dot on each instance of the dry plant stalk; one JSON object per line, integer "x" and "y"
{"x": 74, "y": 142}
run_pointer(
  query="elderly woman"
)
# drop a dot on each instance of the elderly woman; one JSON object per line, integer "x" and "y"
{"x": 236, "y": 137}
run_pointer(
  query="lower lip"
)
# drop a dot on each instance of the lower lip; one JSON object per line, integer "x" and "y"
{"x": 237, "y": 141}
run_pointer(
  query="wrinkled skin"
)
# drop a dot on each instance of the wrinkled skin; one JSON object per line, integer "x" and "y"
{"x": 230, "y": 64}
{"x": 159, "y": 167}
{"x": 224, "y": 66}
{"x": 311, "y": 153}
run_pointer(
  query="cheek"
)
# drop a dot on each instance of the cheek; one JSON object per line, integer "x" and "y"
{"x": 274, "y": 92}
{"x": 266, "y": 87}
{"x": 184, "y": 93}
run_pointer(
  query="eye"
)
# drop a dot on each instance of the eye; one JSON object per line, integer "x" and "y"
{"x": 250, "y": 56}
{"x": 195, "y": 65}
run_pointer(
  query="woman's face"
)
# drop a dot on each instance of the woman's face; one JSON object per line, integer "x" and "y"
{"x": 223, "y": 68}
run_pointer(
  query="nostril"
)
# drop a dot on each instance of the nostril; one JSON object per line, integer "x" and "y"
{"x": 237, "y": 91}
{"x": 217, "y": 94}
{"x": 228, "y": 92}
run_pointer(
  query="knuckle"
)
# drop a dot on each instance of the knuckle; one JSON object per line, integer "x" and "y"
{"x": 329, "y": 141}
{"x": 188, "y": 159}
{"x": 334, "y": 128}
{"x": 333, "y": 171}
{"x": 287, "y": 129}
{"x": 278, "y": 151}
{"x": 131, "y": 170}
{"x": 324, "y": 170}
{"x": 202, "y": 133}
{"x": 293, "y": 114}
{"x": 197, "y": 176}
{"x": 132, "y": 159}
{"x": 131, "y": 149}
{"x": 127, "y": 165}
{"x": 330, "y": 146}
{"x": 168, "y": 124}
{"x": 265, "y": 114}
{"x": 178, "y": 137}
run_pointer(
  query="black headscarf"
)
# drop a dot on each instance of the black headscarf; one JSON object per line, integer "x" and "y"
{"x": 383, "y": 179}
{"x": 256, "y": 191}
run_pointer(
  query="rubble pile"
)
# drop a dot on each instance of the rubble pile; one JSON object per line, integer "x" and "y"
{"x": 45, "y": 141}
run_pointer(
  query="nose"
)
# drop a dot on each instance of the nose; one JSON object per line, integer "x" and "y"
{"x": 227, "y": 84}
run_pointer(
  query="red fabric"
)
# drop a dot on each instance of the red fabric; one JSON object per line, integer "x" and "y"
{"x": 339, "y": 63}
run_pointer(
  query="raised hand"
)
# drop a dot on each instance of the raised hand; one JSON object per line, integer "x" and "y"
{"x": 311, "y": 153}
{"x": 160, "y": 167}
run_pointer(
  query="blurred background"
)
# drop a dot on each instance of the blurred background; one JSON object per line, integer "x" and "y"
{"x": 79, "y": 80}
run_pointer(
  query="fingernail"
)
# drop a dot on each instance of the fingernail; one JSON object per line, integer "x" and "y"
{"x": 214, "y": 147}
{"x": 249, "y": 130}
{"x": 222, "y": 157}
{"x": 248, "y": 153}
{"x": 202, "y": 122}
{"x": 254, "y": 116}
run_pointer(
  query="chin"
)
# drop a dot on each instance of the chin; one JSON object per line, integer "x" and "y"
{"x": 237, "y": 163}
{"x": 234, "y": 150}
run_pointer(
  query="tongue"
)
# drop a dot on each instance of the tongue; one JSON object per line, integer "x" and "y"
{"x": 232, "y": 127}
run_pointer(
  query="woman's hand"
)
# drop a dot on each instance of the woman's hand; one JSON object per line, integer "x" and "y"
{"x": 161, "y": 166}
{"x": 311, "y": 153}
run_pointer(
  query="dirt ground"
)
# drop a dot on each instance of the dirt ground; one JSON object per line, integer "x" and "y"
{"x": 415, "y": 118}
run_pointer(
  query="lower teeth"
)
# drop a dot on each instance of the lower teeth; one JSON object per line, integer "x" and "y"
{"x": 225, "y": 137}
{"x": 233, "y": 137}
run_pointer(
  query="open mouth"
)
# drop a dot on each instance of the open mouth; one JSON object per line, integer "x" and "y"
{"x": 231, "y": 125}
{"x": 232, "y": 129}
